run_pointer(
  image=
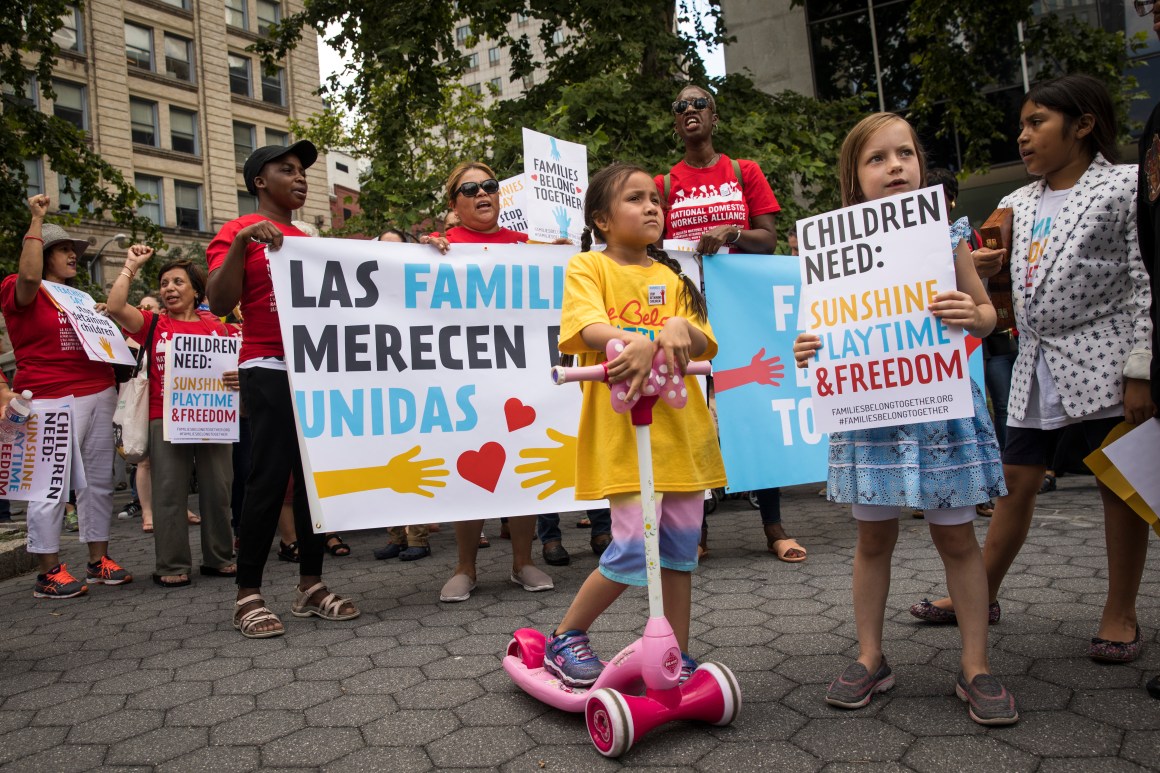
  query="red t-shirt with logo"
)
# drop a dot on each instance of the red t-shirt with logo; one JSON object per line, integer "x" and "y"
{"x": 460, "y": 235}
{"x": 259, "y": 309}
{"x": 50, "y": 358}
{"x": 701, "y": 199}
{"x": 166, "y": 328}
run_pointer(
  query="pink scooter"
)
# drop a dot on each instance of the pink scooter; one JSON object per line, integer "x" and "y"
{"x": 616, "y": 713}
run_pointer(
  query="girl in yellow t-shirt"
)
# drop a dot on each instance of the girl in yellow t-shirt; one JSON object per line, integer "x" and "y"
{"x": 634, "y": 293}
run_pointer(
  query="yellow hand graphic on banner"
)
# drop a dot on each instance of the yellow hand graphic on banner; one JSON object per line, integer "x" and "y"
{"x": 404, "y": 474}
{"x": 106, "y": 346}
{"x": 555, "y": 466}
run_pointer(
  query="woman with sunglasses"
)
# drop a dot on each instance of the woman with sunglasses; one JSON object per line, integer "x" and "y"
{"x": 473, "y": 196}
{"x": 721, "y": 202}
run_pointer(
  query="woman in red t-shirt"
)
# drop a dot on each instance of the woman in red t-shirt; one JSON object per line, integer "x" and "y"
{"x": 473, "y": 195}
{"x": 51, "y": 362}
{"x": 720, "y": 202}
{"x": 182, "y": 288}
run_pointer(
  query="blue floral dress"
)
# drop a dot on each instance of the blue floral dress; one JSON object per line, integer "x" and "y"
{"x": 931, "y": 465}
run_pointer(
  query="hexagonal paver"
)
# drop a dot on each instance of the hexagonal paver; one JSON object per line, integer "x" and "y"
{"x": 157, "y": 746}
{"x": 478, "y": 747}
{"x": 311, "y": 746}
{"x": 938, "y": 755}
{"x": 1060, "y": 734}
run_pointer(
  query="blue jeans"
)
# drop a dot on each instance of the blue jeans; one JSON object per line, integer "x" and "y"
{"x": 548, "y": 524}
{"x": 997, "y": 374}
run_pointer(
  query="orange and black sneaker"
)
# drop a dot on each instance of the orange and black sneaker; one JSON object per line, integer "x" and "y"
{"x": 107, "y": 572}
{"x": 57, "y": 583}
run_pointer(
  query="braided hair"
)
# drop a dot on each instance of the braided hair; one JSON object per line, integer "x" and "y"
{"x": 604, "y": 186}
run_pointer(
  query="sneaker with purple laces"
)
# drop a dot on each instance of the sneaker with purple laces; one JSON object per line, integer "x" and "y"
{"x": 569, "y": 657}
{"x": 988, "y": 701}
{"x": 854, "y": 688}
{"x": 688, "y": 666}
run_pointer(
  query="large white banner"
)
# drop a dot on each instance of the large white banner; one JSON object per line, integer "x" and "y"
{"x": 100, "y": 337}
{"x": 513, "y": 204}
{"x": 196, "y": 405}
{"x": 37, "y": 465}
{"x": 421, "y": 381}
{"x": 556, "y": 177}
{"x": 869, "y": 273}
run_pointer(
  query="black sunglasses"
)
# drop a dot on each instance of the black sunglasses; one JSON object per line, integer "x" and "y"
{"x": 471, "y": 190}
{"x": 1143, "y": 8}
{"x": 681, "y": 105}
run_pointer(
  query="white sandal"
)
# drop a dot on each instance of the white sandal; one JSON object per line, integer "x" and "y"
{"x": 249, "y": 622}
{"x": 328, "y": 609}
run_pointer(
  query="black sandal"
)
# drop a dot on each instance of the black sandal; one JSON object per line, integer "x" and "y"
{"x": 288, "y": 552}
{"x": 335, "y": 544}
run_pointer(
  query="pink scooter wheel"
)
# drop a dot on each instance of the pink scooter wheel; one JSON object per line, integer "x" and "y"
{"x": 730, "y": 691}
{"x": 609, "y": 722}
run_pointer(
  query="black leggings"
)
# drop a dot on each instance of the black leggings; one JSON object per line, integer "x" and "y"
{"x": 274, "y": 455}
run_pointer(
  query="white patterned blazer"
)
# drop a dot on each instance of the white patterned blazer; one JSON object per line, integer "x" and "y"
{"x": 1087, "y": 308}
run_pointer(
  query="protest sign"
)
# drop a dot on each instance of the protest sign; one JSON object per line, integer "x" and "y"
{"x": 869, "y": 272}
{"x": 765, "y": 415}
{"x": 513, "y": 204}
{"x": 196, "y": 405}
{"x": 36, "y": 465}
{"x": 99, "y": 336}
{"x": 556, "y": 177}
{"x": 421, "y": 381}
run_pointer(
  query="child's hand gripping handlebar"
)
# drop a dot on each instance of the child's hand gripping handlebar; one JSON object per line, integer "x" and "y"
{"x": 661, "y": 383}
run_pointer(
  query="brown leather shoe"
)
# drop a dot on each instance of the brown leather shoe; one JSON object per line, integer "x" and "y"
{"x": 600, "y": 543}
{"x": 555, "y": 554}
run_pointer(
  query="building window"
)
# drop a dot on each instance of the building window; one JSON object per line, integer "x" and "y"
{"x": 182, "y": 4}
{"x": 247, "y": 203}
{"x": 35, "y": 174}
{"x": 187, "y": 201}
{"x": 243, "y": 142}
{"x": 239, "y": 75}
{"x": 272, "y": 87}
{"x": 497, "y": 85}
{"x": 143, "y": 121}
{"x": 472, "y": 63}
{"x": 493, "y": 56}
{"x": 66, "y": 194}
{"x": 462, "y": 34}
{"x": 275, "y": 137}
{"x": 529, "y": 81}
{"x": 151, "y": 209}
{"x": 236, "y": 13}
{"x": 70, "y": 103}
{"x": 475, "y": 88}
{"x": 341, "y": 167}
{"x": 269, "y": 14}
{"x": 27, "y": 99}
{"x": 139, "y": 46}
{"x": 70, "y": 37}
{"x": 522, "y": 19}
{"x": 558, "y": 37}
{"x": 178, "y": 58}
{"x": 183, "y": 130}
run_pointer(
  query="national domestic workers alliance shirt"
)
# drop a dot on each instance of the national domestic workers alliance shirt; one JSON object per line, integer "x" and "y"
{"x": 167, "y": 327}
{"x": 701, "y": 199}
{"x": 640, "y": 299}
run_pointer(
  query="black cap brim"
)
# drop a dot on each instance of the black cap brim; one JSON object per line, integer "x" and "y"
{"x": 303, "y": 149}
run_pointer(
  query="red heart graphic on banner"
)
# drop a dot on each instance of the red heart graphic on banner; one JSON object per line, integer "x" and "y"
{"x": 535, "y": 177}
{"x": 482, "y": 467}
{"x": 578, "y": 189}
{"x": 518, "y": 415}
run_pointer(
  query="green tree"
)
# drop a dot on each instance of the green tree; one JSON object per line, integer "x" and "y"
{"x": 28, "y": 57}
{"x": 607, "y": 85}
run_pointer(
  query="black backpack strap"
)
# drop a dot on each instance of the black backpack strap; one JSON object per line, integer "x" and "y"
{"x": 145, "y": 349}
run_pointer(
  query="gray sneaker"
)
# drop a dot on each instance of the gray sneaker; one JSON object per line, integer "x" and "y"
{"x": 988, "y": 701}
{"x": 854, "y": 688}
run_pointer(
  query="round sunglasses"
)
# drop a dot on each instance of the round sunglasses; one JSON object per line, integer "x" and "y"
{"x": 471, "y": 190}
{"x": 681, "y": 105}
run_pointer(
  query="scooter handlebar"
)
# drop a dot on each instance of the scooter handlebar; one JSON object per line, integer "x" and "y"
{"x": 599, "y": 372}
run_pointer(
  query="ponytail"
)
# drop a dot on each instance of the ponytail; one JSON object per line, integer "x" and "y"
{"x": 690, "y": 293}
{"x": 586, "y": 239}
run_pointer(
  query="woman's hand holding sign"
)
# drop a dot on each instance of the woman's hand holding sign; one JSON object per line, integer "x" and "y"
{"x": 957, "y": 308}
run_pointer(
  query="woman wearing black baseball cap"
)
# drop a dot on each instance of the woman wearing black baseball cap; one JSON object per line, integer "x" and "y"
{"x": 239, "y": 271}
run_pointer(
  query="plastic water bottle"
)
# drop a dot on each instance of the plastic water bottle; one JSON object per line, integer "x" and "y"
{"x": 15, "y": 416}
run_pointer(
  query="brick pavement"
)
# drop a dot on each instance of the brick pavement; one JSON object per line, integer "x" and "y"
{"x": 139, "y": 678}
